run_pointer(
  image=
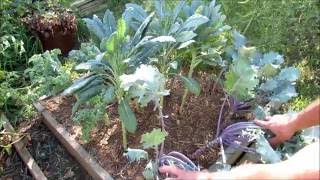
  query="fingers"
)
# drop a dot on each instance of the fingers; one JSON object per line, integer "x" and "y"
{"x": 172, "y": 170}
{"x": 268, "y": 118}
{"x": 261, "y": 123}
{"x": 274, "y": 141}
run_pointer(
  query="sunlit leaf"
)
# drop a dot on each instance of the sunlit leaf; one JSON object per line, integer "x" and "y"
{"x": 153, "y": 138}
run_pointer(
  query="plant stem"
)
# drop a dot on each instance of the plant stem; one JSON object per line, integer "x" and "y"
{"x": 156, "y": 161}
{"x": 160, "y": 108}
{"x": 191, "y": 69}
{"x": 220, "y": 117}
{"x": 124, "y": 136}
{"x": 217, "y": 80}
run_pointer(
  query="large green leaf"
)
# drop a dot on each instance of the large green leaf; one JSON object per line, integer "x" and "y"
{"x": 109, "y": 95}
{"x": 136, "y": 154}
{"x": 78, "y": 84}
{"x": 162, "y": 39}
{"x": 93, "y": 66}
{"x": 112, "y": 42}
{"x": 141, "y": 30}
{"x": 110, "y": 22}
{"x": 185, "y": 36}
{"x": 186, "y": 44}
{"x": 241, "y": 79}
{"x": 121, "y": 29}
{"x": 86, "y": 94}
{"x": 96, "y": 26}
{"x": 134, "y": 12}
{"x": 127, "y": 116}
{"x": 194, "y": 21}
{"x": 268, "y": 155}
{"x": 153, "y": 138}
{"x": 191, "y": 84}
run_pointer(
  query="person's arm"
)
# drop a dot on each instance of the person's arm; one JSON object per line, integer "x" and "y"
{"x": 303, "y": 165}
{"x": 284, "y": 126}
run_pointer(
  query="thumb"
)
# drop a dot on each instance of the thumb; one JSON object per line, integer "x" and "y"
{"x": 172, "y": 170}
{"x": 261, "y": 123}
{"x": 274, "y": 141}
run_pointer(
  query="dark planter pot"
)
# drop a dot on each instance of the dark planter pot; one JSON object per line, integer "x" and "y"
{"x": 56, "y": 30}
{"x": 63, "y": 41}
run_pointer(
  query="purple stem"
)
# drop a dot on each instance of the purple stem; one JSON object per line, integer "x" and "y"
{"x": 177, "y": 162}
{"x": 182, "y": 157}
{"x": 231, "y": 136}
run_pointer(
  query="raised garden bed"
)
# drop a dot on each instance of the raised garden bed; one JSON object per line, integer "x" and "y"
{"x": 53, "y": 160}
{"x": 197, "y": 126}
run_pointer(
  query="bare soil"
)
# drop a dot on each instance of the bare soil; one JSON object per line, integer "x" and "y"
{"x": 187, "y": 131}
{"x": 49, "y": 154}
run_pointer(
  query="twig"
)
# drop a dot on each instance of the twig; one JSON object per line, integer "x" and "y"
{"x": 220, "y": 117}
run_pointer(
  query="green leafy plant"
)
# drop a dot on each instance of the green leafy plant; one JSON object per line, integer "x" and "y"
{"x": 259, "y": 77}
{"x": 48, "y": 76}
{"x": 120, "y": 54}
{"x": 96, "y": 112}
{"x": 152, "y": 140}
{"x": 168, "y": 23}
{"x": 209, "y": 42}
{"x": 146, "y": 84}
{"x": 16, "y": 44}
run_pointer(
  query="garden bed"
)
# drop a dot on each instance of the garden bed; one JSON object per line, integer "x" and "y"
{"x": 52, "y": 158}
{"x": 197, "y": 126}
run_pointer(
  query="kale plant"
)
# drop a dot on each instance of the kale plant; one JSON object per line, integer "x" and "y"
{"x": 210, "y": 40}
{"x": 167, "y": 22}
{"x": 48, "y": 76}
{"x": 119, "y": 54}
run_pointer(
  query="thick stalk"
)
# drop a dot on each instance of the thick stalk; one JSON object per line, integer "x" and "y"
{"x": 191, "y": 69}
{"x": 220, "y": 117}
{"x": 161, "y": 114}
{"x": 124, "y": 137}
{"x": 156, "y": 161}
{"x": 160, "y": 108}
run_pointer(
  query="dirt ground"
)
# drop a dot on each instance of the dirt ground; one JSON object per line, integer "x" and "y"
{"x": 49, "y": 154}
{"x": 197, "y": 126}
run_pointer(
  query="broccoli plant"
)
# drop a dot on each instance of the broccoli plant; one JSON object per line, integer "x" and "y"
{"x": 257, "y": 81}
{"x": 209, "y": 43}
{"x": 152, "y": 140}
{"x": 167, "y": 22}
{"x": 235, "y": 136}
{"x": 119, "y": 54}
{"x": 146, "y": 84}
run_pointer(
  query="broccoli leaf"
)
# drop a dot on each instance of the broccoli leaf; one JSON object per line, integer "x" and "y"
{"x": 136, "y": 154}
{"x": 153, "y": 138}
{"x": 268, "y": 155}
{"x": 192, "y": 85}
{"x": 241, "y": 79}
{"x": 146, "y": 84}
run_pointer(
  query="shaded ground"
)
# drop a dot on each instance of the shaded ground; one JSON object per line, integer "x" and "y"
{"x": 197, "y": 127}
{"x": 52, "y": 158}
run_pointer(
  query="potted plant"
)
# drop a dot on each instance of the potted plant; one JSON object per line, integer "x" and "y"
{"x": 56, "y": 27}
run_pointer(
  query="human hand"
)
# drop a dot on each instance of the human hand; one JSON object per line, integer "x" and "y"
{"x": 281, "y": 125}
{"x": 180, "y": 174}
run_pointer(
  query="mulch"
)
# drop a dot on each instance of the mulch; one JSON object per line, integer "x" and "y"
{"x": 187, "y": 131}
{"x": 49, "y": 154}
